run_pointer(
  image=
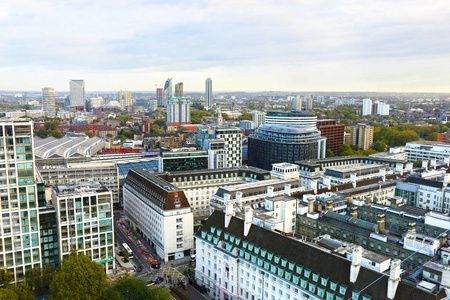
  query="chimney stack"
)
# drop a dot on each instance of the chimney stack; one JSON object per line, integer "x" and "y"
{"x": 248, "y": 220}
{"x": 229, "y": 212}
{"x": 287, "y": 189}
{"x": 409, "y": 168}
{"x": 380, "y": 222}
{"x": 353, "y": 179}
{"x": 383, "y": 174}
{"x": 433, "y": 163}
{"x": 412, "y": 227}
{"x": 327, "y": 182}
{"x": 330, "y": 205}
{"x": 356, "y": 263}
{"x": 310, "y": 204}
{"x": 239, "y": 199}
{"x": 394, "y": 278}
{"x": 425, "y": 164}
{"x": 399, "y": 168}
{"x": 354, "y": 212}
{"x": 269, "y": 191}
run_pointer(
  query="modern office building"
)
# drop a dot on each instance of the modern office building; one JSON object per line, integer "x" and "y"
{"x": 85, "y": 218}
{"x": 246, "y": 124}
{"x": 297, "y": 103}
{"x": 217, "y": 153}
{"x": 152, "y": 104}
{"x": 125, "y": 99}
{"x": 258, "y": 117}
{"x": 333, "y": 132}
{"x": 367, "y": 107}
{"x": 168, "y": 93}
{"x": 426, "y": 150}
{"x": 208, "y": 93}
{"x": 161, "y": 212}
{"x": 288, "y": 118}
{"x": 272, "y": 144}
{"x": 362, "y": 136}
{"x": 320, "y": 99}
{"x": 77, "y": 93}
{"x": 160, "y": 97}
{"x": 96, "y": 102}
{"x": 48, "y": 102}
{"x": 180, "y": 159}
{"x": 20, "y": 228}
{"x": 178, "y": 112}
{"x": 179, "y": 90}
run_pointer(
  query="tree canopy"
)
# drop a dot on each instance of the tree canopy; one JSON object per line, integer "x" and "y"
{"x": 131, "y": 288}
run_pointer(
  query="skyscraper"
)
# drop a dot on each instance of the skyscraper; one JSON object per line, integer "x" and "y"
{"x": 178, "y": 112}
{"x": 48, "y": 101}
{"x": 258, "y": 117}
{"x": 208, "y": 93}
{"x": 367, "y": 107}
{"x": 125, "y": 99}
{"x": 362, "y": 136}
{"x": 179, "y": 90}
{"x": 297, "y": 103}
{"x": 160, "y": 97}
{"x": 77, "y": 93}
{"x": 168, "y": 89}
{"x": 309, "y": 102}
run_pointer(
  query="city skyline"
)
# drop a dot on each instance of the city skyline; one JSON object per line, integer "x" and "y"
{"x": 342, "y": 46}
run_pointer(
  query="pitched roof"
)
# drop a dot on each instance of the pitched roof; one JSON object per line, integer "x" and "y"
{"x": 335, "y": 267}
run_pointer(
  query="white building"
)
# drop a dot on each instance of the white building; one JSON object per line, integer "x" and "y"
{"x": 178, "y": 111}
{"x": 168, "y": 93}
{"x": 258, "y": 117}
{"x": 285, "y": 171}
{"x": 426, "y": 150}
{"x": 383, "y": 109}
{"x": 96, "y": 102}
{"x": 77, "y": 93}
{"x": 233, "y": 144}
{"x": 217, "y": 153}
{"x": 85, "y": 222}
{"x": 161, "y": 212}
{"x": 367, "y": 107}
{"x": 48, "y": 101}
{"x": 208, "y": 93}
{"x": 125, "y": 99}
{"x": 297, "y": 103}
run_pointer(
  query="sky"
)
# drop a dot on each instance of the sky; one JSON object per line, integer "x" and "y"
{"x": 242, "y": 45}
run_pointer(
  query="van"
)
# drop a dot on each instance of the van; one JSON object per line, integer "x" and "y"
{"x": 193, "y": 258}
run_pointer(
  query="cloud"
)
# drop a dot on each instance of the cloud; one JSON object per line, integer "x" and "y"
{"x": 284, "y": 44}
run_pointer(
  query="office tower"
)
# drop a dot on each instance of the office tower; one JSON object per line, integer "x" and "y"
{"x": 178, "y": 112}
{"x": 153, "y": 104}
{"x": 96, "y": 102}
{"x": 77, "y": 93}
{"x": 367, "y": 107}
{"x": 48, "y": 101}
{"x": 160, "y": 96}
{"x": 168, "y": 89}
{"x": 320, "y": 99}
{"x": 362, "y": 136}
{"x": 85, "y": 222}
{"x": 333, "y": 132}
{"x": 181, "y": 159}
{"x": 20, "y": 235}
{"x": 208, "y": 93}
{"x": 125, "y": 99}
{"x": 258, "y": 117}
{"x": 179, "y": 89}
{"x": 309, "y": 102}
{"x": 297, "y": 103}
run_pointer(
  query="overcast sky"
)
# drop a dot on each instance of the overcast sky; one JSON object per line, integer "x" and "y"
{"x": 280, "y": 45}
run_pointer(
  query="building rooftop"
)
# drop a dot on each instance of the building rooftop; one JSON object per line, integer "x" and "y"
{"x": 82, "y": 188}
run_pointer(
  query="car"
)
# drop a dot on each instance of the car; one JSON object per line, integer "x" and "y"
{"x": 150, "y": 283}
{"x": 193, "y": 258}
{"x": 156, "y": 266}
{"x": 129, "y": 243}
{"x": 159, "y": 280}
{"x": 138, "y": 269}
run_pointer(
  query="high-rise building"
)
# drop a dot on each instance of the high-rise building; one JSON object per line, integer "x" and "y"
{"x": 160, "y": 97}
{"x": 179, "y": 90}
{"x": 178, "y": 112}
{"x": 297, "y": 103}
{"x": 77, "y": 93}
{"x": 333, "y": 132}
{"x": 168, "y": 89}
{"x": 48, "y": 101}
{"x": 375, "y": 107}
{"x": 125, "y": 99}
{"x": 367, "y": 107}
{"x": 258, "y": 117}
{"x": 309, "y": 102}
{"x": 383, "y": 109}
{"x": 96, "y": 102}
{"x": 362, "y": 136}
{"x": 208, "y": 93}
{"x": 320, "y": 99}
{"x": 152, "y": 104}
{"x": 20, "y": 234}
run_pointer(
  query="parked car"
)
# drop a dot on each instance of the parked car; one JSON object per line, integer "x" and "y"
{"x": 159, "y": 280}
{"x": 156, "y": 266}
{"x": 138, "y": 269}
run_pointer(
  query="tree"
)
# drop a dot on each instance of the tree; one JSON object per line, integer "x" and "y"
{"x": 432, "y": 136}
{"x": 160, "y": 122}
{"x": 8, "y": 294}
{"x": 22, "y": 290}
{"x": 444, "y": 129}
{"x": 109, "y": 135}
{"x": 56, "y": 134}
{"x": 246, "y": 116}
{"x": 89, "y": 133}
{"x": 226, "y": 117}
{"x": 47, "y": 275}
{"x": 5, "y": 277}
{"x": 79, "y": 278}
{"x": 33, "y": 277}
{"x": 379, "y": 146}
{"x": 130, "y": 287}
{"x": 330, "y": 153}
{"x": 344, "y": 121}
{"x": 345, "y": 150}
{"x": 417, "y": 164}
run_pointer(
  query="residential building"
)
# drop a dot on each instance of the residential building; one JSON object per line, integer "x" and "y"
{"x": 217, "y": 153}
{"x": 240, "y": 260}
{"x": 258, "y": 117}
{"x": 153, "y": 104}
{"x": 20, "y": 233}
{"x": 178, "y": 112}
{"x": 208, "y": 93}
{"x": 333, "y": 132}
{"x": 427, "y": 150}
{"x": 48, "y": 102}
{"x": 383, "y": 109}
{"x": 180, "y": 159}
{"x": 160, "y": 97}
{"x": 362, "y": 136}
{"x": 320, "y": 99}
{"x": 96, "y": 102}
{"x": 168, "y": 93}
{"x": 246, "y": 124}
{"x": 85, "y": 222}
{"x": 297, "y": 103}
{"x": 309, "y": 102}
{"x": 161, "y": 212}
{"x": 125, "y": 99}
{"x": 77, "y": 93}
{"x": 367, "y": 107}
{"x": 179, "y": 90}
{"x": 285, "y": 171}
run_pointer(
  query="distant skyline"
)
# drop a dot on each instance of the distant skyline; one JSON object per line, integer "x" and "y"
{"x": 250, "y": 45}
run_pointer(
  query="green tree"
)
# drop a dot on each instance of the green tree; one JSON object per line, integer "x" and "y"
{"x": 345, "y": 150}
{"x": 444, "y": 129}
{"x": 109, "y": 135}
{"x": 56, "y": 134}
{"x": 33, "y": 277}
{"x": 79, "y": 278}
{"x": 8, "y": 294}
{"x": 160, "y": 122}
{"x": 246, "y": 116}
{"x": 417, "y": 164}
{"x": 89, "y": 133}
{"x": 330, "y": 153}
{"x": 22, "y": 290}
{"x": 432, "y": 136}
{"x": 47, "y": 275}
{"x": 5, "y": 277}
{"x": 344, "y": 121}
{"x": 226, "y": 117}
{"x": 379, "y": 146}
{"x": 131, "y": 288}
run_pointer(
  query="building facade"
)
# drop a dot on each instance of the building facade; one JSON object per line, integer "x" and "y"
{"x": 297, "y": 103}
{"x": 333, "y": 132}
{"x": 160, "y": 97}
{"x": 161, "y": 212}
{"x": 362, "y": 136}
{"x": 77, "y": 93}
{"x": 179, "y": 90}
{"x": 48, "y": 101}
{"x": 168, "y": 93}
{"x": 258, "y": 117}
{"x": 427, "y": 150}
{"x": 125, "y": 99}
{"x": 178, "y": 112}
{"x": 180, "y": 159}
{"x": 367, "y": 107}
{"x": 208, "y": 93}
